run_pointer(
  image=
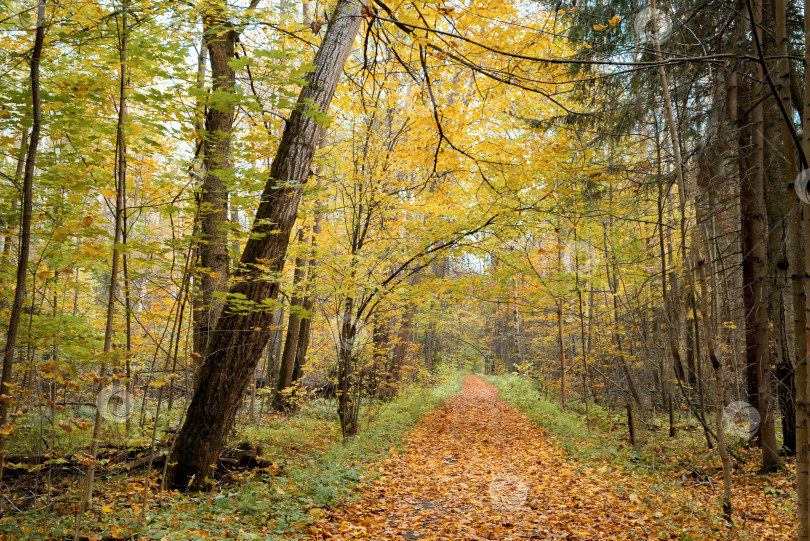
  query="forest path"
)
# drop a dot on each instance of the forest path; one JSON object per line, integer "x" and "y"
{"x": 478, "y": 469}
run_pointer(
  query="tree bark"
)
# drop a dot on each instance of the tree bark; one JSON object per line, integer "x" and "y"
{"x": 561, "y": 321}
{"x": 287, "y": 367}
{"x": 309, "y": 302}
{"x": 719, "y": 386}
{"x": 12, "y": 332}
{"x": 802, "y": 380}
{"x": 120, "y": 191}
{"x": 241, "y": 334}
{"x": 213, "y": 265}
{"x": 778, "y": 168}
{"x": 759, "y": 258}
{"x": 18, "y": 177}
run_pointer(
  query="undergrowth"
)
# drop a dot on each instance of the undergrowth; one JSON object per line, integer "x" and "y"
{"x": 315, "y": 470}
{"x": 677, "y": 478}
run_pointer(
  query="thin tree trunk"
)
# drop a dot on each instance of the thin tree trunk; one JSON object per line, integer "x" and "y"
{"x": 561, "y": 321}
{"x": 719, "y": 385}
{"x": 778, "y": 167}
{"x": 287, "y": 367}
{"x": 583, "y": 339}
{"x": 668, "y": 319}
{"x": 18, "y": 177}
{"x": 120, "y": 185}
{"x": 759, "y": 256}
{"x": 682, "y": 198}
{"x": 309, "y": 301}
{"x": 802, "y": 379}
{"x": 12, "y": 332}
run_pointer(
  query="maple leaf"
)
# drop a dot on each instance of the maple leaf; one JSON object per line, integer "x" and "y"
{"x": 615, "y": 20}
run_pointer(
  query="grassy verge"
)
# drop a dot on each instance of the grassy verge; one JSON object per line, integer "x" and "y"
{"x": 677, "y": 480}
{"x": 317, "y": 470}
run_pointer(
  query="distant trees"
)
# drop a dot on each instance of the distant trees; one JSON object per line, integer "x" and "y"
{"x": 611, "y": 213}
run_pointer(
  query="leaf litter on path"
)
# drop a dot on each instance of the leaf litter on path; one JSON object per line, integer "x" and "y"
{"x": 478, "y": 469}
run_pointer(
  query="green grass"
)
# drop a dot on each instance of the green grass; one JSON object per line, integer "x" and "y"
{"x": 607, "y": 437}
{"x": 653, "y": 470}
{"x": 566, "y": 427}
{"x": 318, "y": 471}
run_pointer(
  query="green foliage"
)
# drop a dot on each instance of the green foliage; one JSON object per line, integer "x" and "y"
{"x": 325, "y": 477}
{"x": 317, "y": 470}
{"x": 523, "y": 394}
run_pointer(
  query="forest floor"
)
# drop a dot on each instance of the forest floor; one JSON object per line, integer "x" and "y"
{"x": 477, "y": 468}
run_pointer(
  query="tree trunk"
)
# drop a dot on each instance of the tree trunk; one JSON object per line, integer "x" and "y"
{"x": 18, "y": 177}
{"x": 759, "y": 257}
{"x": 240, "y": 336}
{"x": 348, "y": 387}
{"x": 309, "y": 302}
{"x": 778, "y": 168}
{"x": 213, "y": 265}
{"x": 802, "y": 380}
{"x": 12, "y": 332}
{"x": 719, "y": 386}
{"x": 669, "y": 323}
{"x": 561, "y": 321}
{"x": 405, "y": 335}
{"x": 287, "y": 367}
{"x": 120, "y": 190}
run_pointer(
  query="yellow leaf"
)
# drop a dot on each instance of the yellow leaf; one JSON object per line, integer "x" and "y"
{"x": 280, "y": 490}
{"x": 599, "y": 27}
{"x": 158, "y": 383}
{"x": 6, "y": 430}
{"x": 615, "y": 20}
{"x": 106, "y": 192}
{"x": 106, "y": 509}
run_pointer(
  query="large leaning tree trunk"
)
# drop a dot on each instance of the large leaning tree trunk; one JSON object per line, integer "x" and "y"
{"x": 244, "y": 326}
